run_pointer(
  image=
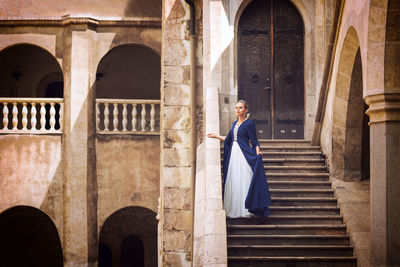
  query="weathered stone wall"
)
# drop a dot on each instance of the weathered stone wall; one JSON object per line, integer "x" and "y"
{"x": 31, "y": 174}
{"x": 128, "y": 173}
{"x": 176, "y": 228}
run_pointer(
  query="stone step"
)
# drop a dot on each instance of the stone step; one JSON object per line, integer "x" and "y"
{"x": 260, "y": 261}
{"x": 292, "y": 142}
{"x": 304, "y": 201}
{"x": 295, "y": 168}
{"x": 338, "y": 240}
{"x": 288, "y": 148}
{"x": 303, "y": 210}
{"x": 279, "y": 176}
{"x": 301, "y": 192}
{"x": 290, "y": 250}
{"x": 276, "y": 229}
{"x": 290, "y": 220}
{"x": 296, "y": 162}
{"x": 293, "y": 155}
{"x": 299, "y": 184}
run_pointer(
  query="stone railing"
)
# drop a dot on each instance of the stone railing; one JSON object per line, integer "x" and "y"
{"x": 31, "y": 115}
{"x": 127, "y": 116}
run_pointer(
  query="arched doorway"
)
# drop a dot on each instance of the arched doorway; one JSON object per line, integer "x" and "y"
{"x": 129, "y": 238}
{"x": 28, "y": 237}
{"x": 271, "y": 67}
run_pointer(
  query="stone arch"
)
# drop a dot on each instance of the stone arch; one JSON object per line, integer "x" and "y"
{"x": 349, "y": 122}
{"x": 118, "y": 230}
{"x": 129, "y": 71}
{"x": 29, "y": 238}
{"x": 24, "y": 67}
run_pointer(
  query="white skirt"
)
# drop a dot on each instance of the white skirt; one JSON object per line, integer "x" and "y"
{"x": 237, "y": 184}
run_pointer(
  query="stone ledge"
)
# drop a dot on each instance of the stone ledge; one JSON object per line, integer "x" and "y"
{"x": 89, "y": 21}
{"x": 383, "y": 107}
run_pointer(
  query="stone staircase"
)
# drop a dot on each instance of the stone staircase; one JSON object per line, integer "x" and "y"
{"x": 305, "y": 227}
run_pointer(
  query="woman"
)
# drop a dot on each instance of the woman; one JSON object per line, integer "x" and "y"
{"x": 246, "y": 189}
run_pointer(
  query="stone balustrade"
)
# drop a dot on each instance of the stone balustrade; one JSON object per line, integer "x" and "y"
{"x": 127, "y": 116}
{"x": 31, "y": 115}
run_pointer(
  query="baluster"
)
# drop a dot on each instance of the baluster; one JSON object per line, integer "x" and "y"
{"x": 5, "y": 116}
{"x": 52, "y": 116}
{"x": 115, "y": 120}
{"x": 24, "y": 116}
{"x": 15, "y": 116}
{"x": 134, "y": 120}
{"x": 97, "y": 117}
{"x": 33, "y": 116}
{"x": 152, "y": 120}
{"x": 124, "y": 117}
{"x": 143, "y": 122}
{"x": 106, "y": 118}
{"x": 42, "y": 116}
{"x": 61, "y": 114}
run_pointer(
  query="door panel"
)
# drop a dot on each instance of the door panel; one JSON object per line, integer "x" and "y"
{"x": 253, "y": 64}
{"x": 259, "y": 52}
{"x": 288, "y": 72}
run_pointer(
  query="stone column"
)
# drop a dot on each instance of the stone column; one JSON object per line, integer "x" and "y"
{"x": 384, "y": 113}
{"x": 176, "y": 197}
{"x": 77, "y": 165}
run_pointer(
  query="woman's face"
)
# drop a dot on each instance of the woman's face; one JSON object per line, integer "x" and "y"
{"x": 241, "y": 110}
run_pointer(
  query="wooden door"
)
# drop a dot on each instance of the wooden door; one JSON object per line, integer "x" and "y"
{"x": 271, "y": 67}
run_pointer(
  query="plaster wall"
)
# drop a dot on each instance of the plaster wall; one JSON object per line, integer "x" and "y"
{"x": 31, "y": 174}
{"x": 128, "y": 173}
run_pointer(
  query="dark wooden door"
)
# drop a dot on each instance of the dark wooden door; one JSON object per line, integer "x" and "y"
{"x": 271, "y": 67}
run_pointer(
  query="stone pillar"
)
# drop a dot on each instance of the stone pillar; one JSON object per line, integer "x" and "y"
{"x": 176, "y": 196}
{"x": 77, "y": 165}
{"x": 384, "y": 113}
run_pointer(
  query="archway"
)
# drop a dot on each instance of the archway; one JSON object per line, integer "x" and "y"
{"x": 129, "y": 72}
{"x": 29, "y": 238}
{"x": 271, "y": 67}
{"x": 350, "y": 131}
{"x": 26, "y": 70}
{"x": 129, "y": 236}
{"x": 126, "y": 74}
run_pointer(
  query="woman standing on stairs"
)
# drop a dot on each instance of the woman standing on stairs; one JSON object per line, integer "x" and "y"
{"x": 246, "y": 189}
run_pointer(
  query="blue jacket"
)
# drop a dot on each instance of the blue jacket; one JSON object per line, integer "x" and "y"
{"x": 258, "y": 198}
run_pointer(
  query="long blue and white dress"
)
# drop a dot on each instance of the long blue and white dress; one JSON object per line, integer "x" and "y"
{"x": 246, "y": 189}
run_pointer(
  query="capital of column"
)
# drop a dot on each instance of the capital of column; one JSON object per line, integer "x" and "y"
{"x": 383, "y": 107}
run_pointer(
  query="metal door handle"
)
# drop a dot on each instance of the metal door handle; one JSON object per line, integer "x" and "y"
{"x": 267, "y": 88}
